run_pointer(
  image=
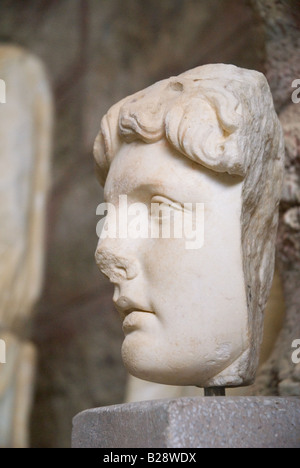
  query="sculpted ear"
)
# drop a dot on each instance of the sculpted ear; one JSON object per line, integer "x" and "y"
{"x": 207, "y": 133}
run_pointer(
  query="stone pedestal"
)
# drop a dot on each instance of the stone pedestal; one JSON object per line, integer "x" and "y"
{"x": 225, "y": 422}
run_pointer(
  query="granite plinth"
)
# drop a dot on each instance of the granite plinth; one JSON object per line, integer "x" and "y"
{"x": 229, "y": 422}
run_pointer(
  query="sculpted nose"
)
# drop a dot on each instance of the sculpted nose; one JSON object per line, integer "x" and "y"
{"x": 116, "y": 267}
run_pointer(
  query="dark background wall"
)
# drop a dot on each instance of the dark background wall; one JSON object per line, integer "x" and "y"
{"x": 96, "y": 52}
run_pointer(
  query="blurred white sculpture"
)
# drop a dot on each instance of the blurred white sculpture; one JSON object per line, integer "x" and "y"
{"x": 25, "y": 135}
{"x": 209, "y": 136}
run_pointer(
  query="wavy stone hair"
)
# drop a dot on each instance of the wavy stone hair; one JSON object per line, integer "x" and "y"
{"x": 244, "y": 139}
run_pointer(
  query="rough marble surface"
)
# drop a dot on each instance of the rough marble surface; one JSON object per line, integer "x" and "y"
{"x": 280, "y": 21}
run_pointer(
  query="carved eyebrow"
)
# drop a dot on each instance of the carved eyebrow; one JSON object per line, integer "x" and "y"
{"x": 143, "y": 191}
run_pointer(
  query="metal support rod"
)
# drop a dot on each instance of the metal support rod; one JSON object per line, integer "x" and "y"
{"x": 214, "y": 391}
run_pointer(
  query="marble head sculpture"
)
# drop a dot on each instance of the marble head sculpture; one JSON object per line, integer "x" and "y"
{"x": 209, "y": 136}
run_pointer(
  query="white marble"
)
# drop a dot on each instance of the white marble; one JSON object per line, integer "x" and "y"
{"x": 194, "y": 316}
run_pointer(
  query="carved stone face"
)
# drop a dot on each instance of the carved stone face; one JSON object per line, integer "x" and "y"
{"x": 184, "y": 310}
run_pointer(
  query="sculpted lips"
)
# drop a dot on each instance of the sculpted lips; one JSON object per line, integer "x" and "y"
{"x": 126, "y": 307}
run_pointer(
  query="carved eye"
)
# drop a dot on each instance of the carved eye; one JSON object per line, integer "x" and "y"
{"x": 162, "y": 208}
